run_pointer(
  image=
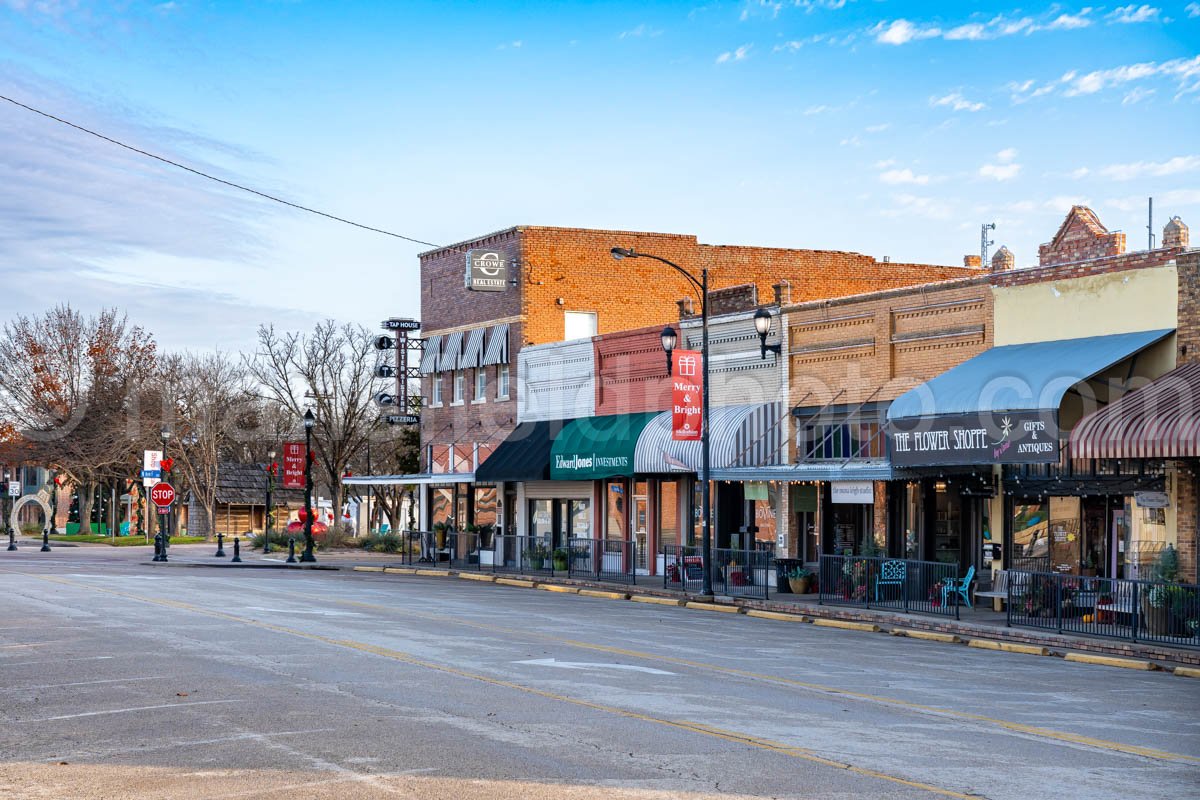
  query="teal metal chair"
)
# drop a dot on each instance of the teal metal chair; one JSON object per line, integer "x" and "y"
{"x": 960, "y": 587}
{"x": 891, "y": 573}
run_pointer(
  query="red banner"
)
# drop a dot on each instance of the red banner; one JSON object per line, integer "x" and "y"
{"x": 293, "y": 465}
{"x": 686, "y": 395}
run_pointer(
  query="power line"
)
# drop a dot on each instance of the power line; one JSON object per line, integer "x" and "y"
{"x": 231, "y": 184}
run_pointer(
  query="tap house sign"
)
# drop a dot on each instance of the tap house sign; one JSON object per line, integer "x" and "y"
{"x": 487, "y": 271}
{"x": 1007, "y": 437}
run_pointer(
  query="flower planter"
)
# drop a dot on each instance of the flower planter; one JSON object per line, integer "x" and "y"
{"x": 799, "y": 585}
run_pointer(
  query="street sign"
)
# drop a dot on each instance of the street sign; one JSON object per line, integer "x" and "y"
{"x": 164, "y": 510}
{"x": 14, "y": 488}
{"x": 162, "y": 495}
{"x": 395, "y": 324}
{"x": 151, "y": 462}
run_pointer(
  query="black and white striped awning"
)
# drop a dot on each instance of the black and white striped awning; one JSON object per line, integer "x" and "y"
{"x": 429, "y": 359}
{"x": 497, "y": 345}
{"x": 472, "y": 355}
{"x": 451, "y": 352}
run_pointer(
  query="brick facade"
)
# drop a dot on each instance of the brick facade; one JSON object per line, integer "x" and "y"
{"x": 1188, "y": 471}
{"x": 1081, "y": 237}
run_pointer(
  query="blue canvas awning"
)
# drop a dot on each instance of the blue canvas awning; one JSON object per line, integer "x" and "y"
{"x": 1020, "y": 377}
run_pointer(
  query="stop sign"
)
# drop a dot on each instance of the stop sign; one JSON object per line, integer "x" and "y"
{"x": 162, "y": 494}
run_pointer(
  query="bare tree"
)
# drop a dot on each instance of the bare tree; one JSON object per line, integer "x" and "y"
{"x": 209, "y": 397}
{"x": 329, "y": 370}
{"x": 394, "y": 451}
{"x": 70, "y": 386}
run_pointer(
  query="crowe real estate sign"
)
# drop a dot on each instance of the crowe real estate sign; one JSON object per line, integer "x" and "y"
{"x": 487, "y": 271}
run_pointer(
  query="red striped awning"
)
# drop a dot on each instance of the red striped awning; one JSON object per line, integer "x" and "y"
{"x": 1160, "y": 420}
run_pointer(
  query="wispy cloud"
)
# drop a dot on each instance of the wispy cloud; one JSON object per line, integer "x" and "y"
{"x": 1005, "y": 168}
{"x": 900, "y": 177}
{"x": 915, "y": 205}
{"x": 902, "y": 31}
{"x": 1136, "y": 95}
{"x": 956, "y": 102}
{"x": 1184, "y": 71}
{"x": 1193, "y": 10}
{"x": 1126, "y": 15}
{"x": 641, "y": 31}
{"x": 1151, "y": 169}
{"x": 880, "y": 128}
{"x": 1165, "y": 200}
{"x": 740, "y": 54}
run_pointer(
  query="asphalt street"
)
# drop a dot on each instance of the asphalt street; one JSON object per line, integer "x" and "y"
{"x": 123, "y": 679}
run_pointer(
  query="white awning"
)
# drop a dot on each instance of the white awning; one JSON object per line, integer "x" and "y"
{"x": 422, "y": 478}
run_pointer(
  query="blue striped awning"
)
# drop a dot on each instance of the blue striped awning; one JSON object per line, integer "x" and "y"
{"x": 742, "y": 435}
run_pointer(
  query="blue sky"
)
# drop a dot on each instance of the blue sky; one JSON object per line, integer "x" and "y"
{"x": 888, "y": 128}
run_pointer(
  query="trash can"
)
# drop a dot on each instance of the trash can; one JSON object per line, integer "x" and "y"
{"x": 782, "y": 567}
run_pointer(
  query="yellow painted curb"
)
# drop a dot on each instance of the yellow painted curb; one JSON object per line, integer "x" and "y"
{"x": 368, "y": 569}
{"x": 432, "y": 573}
{"x": 1009, "y": 647}
{"x": 933, "y": 636}
{"x": 1187, "y": 672}
{"x": 471, "y": 576}
{"x": 554, "y": 587}
{"x": 754, "y": 612}
{"x": 400, "y": 570}
{"x": 603, "y": 595}
{"x": 1110, "y": 661}
{"x": 515, "y": 582}
{"x": 713, "y": 607}
{"x": 658, "y": 601}
{"x": 848, "y": 626}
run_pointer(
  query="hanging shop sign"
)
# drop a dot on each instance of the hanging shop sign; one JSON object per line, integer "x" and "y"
{"x": 852, "y": 492}
{"x": 293, "y": 465}
{"x": 687, "y": 399}
{"x": 1001, "y": 437}
{"x": 487, "y": 271}
{"x": 1152, "y": 499}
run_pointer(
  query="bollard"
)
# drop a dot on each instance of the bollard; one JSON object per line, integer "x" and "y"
{"x": 12, "y": 539}
{"x": 45, "y": 540}
{"x": 291, "y": 559}
{"x": 237, "y": 551}
{"x": 157, "y": 547}
{"x": 220, "y": 546}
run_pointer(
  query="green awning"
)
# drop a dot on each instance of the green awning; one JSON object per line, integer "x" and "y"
{"x": 594, "y": 448}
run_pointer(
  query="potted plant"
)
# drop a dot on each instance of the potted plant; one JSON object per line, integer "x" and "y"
{"x": 439, "y": 534}
{"x": 799, "y": 580}
{"x": 1157, "y": 597}
{"x": 535, "y": 556}
{"x": 561, "y": 557}
{"x": 1104, "y": 609}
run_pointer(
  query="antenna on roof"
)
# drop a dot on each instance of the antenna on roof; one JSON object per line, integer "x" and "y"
{"x": 1150, "y": 223}
{"x": 985, "y": 242}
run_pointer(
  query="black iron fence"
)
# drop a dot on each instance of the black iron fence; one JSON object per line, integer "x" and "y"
{"x": 1140, "y": 611}
{"x": 929, "y": 587}
{"x": 738, "y": 573}
{"x": 530, "y": 555}
{"x": 613, "y": 560}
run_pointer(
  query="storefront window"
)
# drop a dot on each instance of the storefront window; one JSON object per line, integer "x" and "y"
{"x": 668, "y": 513}
{"x": 541, "y": 519}
{"x": 1030, "y": 542}
{"x": 617, "y": 513}
{"x": 914, "y": 521}
{"x": 441, "y": 503}
{"x": 947, "y": 532}
{"x": 485, "y": 506}
{"x": 1064, "y": 542}
{"x": 1148, "y": 539}
{"x": 764, "y": 499}
{"x": 580, "y": 523}
{"x": 697, "y": 505}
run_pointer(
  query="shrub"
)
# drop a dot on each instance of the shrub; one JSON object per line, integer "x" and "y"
{"x": 31, "y": 529}
{"x": 278, "y": 539}
{"x": 382, "y": 543}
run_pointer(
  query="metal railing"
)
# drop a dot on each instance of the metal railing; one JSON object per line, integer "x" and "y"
{"x": 1140, "y": 611}
{"x": 1030, "y": 563}
{"x": 530, "y": 555}
{"x": 612, "y": 560}
{"x": 737, "y": 573}
{"x": 889, "y": 583}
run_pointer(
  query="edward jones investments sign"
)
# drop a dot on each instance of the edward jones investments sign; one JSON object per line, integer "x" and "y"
{"x": 487, "y": 271}
{"x": 1003, "y": 437}
{"x": 686, "y": 396}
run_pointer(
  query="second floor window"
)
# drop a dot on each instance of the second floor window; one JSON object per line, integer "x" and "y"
{"x": 435, "y": 398}
{"x": 480, "y": 385}
{"x": 502, "y": 382}
{"x": 459, "y": 380}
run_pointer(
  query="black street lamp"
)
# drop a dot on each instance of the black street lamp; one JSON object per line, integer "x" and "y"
{"x": 669, "y": 339}
{"x": 309, "y": 421}
{"x": 164, "y": 524}
{"x": 762, "y": 324}
{"x": 267, "y": 507}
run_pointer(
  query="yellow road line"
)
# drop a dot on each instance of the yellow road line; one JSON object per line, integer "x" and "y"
{"x": 406, "y": 658}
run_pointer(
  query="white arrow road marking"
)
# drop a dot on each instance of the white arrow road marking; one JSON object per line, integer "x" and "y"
{"x": 553, "y": 662}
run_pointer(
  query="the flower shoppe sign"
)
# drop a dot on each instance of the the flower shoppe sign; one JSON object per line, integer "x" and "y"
{"x": 1002, "y": 437}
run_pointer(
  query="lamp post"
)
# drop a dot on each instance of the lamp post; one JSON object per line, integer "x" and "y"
{"x": 267, "y": 507}
{"x": 669, "y": 339}
{"x": 309, "y": 421}
{"x": 164, "y": 524}
{"x": 762, "y": 324}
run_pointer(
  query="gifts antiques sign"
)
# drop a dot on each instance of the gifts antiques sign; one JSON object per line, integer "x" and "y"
{"x": 1010, "y": 437}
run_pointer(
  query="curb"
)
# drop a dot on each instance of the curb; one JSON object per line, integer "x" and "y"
{"x": 776, "y": 615}
{"x": 932, "y": 636}
{"x": 1110, "y": 661}
{"x": 1187, "y": 672}
{"x": 243, "y": 565}
{"x": 471, "y": 576}
{"x": 658, "y": 601}
{"x": 1009, "y": 647}
{"x": 845, "y": 625}
{"x": 554, "y": 587}
{"x": 713, "y": 607}
{"x": 602, "y": 595}
{"x": 514, "y": 582}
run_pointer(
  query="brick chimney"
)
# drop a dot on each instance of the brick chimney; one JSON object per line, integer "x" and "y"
{"x": 973, "y": 261}
{"x": 1003, "y": 260}
{"x": 1175, "y": 233}
{"x": 783, "y": 292}
{"x": 1081, "y": 237}
{"x": 1187, "y": 333}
